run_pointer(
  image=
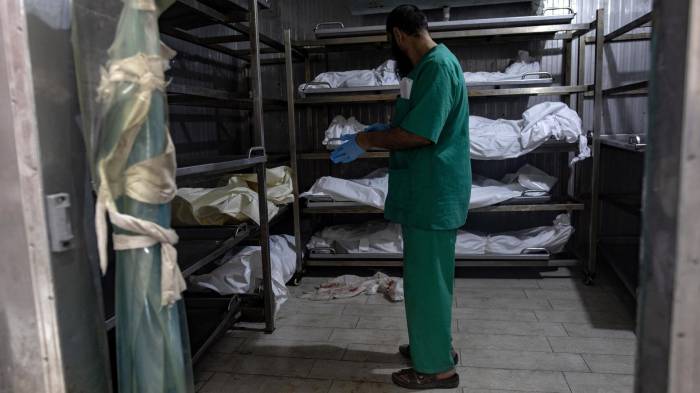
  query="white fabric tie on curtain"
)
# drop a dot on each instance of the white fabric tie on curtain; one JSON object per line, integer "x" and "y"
{"x": 149, "y": 181}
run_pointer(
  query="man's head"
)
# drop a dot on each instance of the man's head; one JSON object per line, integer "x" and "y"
{"x": 404, "y": 26}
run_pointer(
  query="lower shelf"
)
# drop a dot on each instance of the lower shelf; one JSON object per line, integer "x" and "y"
{"x": 561, "y": 206}
{"x": 473, "y": 261}
{"x": 208, "y": 317}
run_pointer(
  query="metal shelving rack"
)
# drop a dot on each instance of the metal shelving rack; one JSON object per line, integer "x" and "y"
{"x": 630, "y": 142}
{"x": 568, "y": 33}
{"x": 202, "y": 245}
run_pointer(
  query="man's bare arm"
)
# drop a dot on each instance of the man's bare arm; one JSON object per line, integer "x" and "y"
{"x": 393, "y": 139}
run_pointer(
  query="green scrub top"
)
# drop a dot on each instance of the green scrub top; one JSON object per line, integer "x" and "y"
{"x": 429, "y": 187}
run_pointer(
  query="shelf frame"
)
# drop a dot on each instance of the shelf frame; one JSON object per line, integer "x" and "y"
{"x": 574, "y": 86}
{"x": 543, "y": 207}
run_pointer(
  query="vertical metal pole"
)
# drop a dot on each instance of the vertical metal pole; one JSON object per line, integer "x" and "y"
{"x": 581, "y": 69}
{"x": 566, "y": 71}
{"x": 268, "y": 296}
{"x": 255, "y": 78}
{"x": 262, "y": 185}
{"x": 597, "y": 124}
{"x": 291, "y": 120}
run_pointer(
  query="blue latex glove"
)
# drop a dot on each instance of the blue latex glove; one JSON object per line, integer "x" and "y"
{"x": 377, "y": 127}
{"x": 348, "y": 151}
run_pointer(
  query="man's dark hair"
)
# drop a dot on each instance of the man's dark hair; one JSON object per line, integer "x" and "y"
{"x": 407, "y": 18}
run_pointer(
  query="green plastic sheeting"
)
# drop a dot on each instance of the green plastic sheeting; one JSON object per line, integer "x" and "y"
{"x": 152, "y": 340}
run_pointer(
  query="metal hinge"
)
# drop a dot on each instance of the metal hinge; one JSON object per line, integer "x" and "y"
{"x": 60, "y": 229}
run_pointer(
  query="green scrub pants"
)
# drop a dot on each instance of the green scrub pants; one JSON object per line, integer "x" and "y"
{"x": 429, "y": 268}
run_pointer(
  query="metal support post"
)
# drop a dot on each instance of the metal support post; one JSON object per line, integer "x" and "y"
{"x": 597, "y": 124}
{"x": 255, "y": 79}
{"x": 292, "y": 128}
{"x": 268, "y": 296}
{"x": 256, "y": 90}
{"x": 566, "y": 71}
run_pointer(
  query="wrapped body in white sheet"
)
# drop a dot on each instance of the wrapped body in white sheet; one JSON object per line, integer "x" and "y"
{"x": 236, "y": 201}
{"x": 383, "y": 75}
{"x": 341, "y": 126}
{"x": 518, "y": 70}
{"x": 500, "y": 139}
{"x": 385, "y": 237}
{"x": 372, "y": 189}
{"x": 241, "y": 272}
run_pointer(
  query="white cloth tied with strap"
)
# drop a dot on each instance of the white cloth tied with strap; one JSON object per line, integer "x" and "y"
{"x": 149, "y": 181}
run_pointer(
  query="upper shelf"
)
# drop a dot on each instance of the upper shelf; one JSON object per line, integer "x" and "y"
{"x": 390, "y": 97}
{"x": 338, "y": 30}
{"x": 203, "y": 96}
{"x": 543, "y": 31}
{"x": 181, "y": 12}
{"x": 186, "y": 15}
{"x": 220, "y": 165}
{"x": 639, "y": 22}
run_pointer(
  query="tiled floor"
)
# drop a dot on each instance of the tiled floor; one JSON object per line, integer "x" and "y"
{"x": 544, "y": 332}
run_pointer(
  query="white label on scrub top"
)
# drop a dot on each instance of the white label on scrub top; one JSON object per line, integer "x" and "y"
{"x": 405, "y": 87}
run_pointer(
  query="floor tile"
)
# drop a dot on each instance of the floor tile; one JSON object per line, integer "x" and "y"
{"x": 508, "y": 283}
{"x": 214, "y": 362}
{"x": 599, "y": 383}
{"x": 374, "y": 353}
{"x": 469, "y": 390}
{"x": 493, "y": 314}
{"x": 326, "y": 309}
{"x": 395, "y": 323}
{"x": 610, "y": 364}
{"x": 227, "y": 344}
{"x": 359, "y": 299}
{"x": 587, "y": 330}
{"x": 566, "y": 283}
{"x": 354, "y": 371}
{"x": 381, "y": 299}
{"x": 491, "y": 293}
{"x": 584, "y": 294}
{"x": 293, "y": 348}
{"x": 376, "y": 387}
{"x": 235, "y": 383}
{"x": 589, "y": 305}
{"x": 318, "y": 320}
{"x": 392, "y": 323}
{"x": 594, "y": 317}
{"x": 369, "y": 336}
{"x": 269, "y": 365}
{"x": 502, "y": 303}
{"x": 528, "y": 381}
{"x": 201, "y": 378}
{"x": 500, "y": 342}
{"x": 601, "y": 346}
{"x": 372, "y": 310}
{"x": 511, "y": 328}
{"x": 305, "y": 333}
{"x": 522, "y": 360}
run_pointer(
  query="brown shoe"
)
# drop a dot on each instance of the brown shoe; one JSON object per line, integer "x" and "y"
{"x": 412, "y": 379}
{"x": 405, "y": 351}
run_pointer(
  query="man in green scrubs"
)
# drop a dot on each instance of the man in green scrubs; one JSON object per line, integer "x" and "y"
{"x": 429, "y": 189}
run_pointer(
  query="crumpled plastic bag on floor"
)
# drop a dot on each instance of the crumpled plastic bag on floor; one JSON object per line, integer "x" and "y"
{"x": 349, "y": 285}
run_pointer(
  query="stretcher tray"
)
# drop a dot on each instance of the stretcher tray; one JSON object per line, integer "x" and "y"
{"x": 529, "y": 254}
{"x": 528, "y": 198}
{"x": 544, "y": 79}
{"x": 338, "y": 29}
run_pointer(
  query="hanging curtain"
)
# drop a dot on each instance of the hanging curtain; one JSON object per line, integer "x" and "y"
{"x": 135, "y": 170}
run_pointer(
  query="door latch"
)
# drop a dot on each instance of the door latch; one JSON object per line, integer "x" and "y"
{"x": 60, "y": 229}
